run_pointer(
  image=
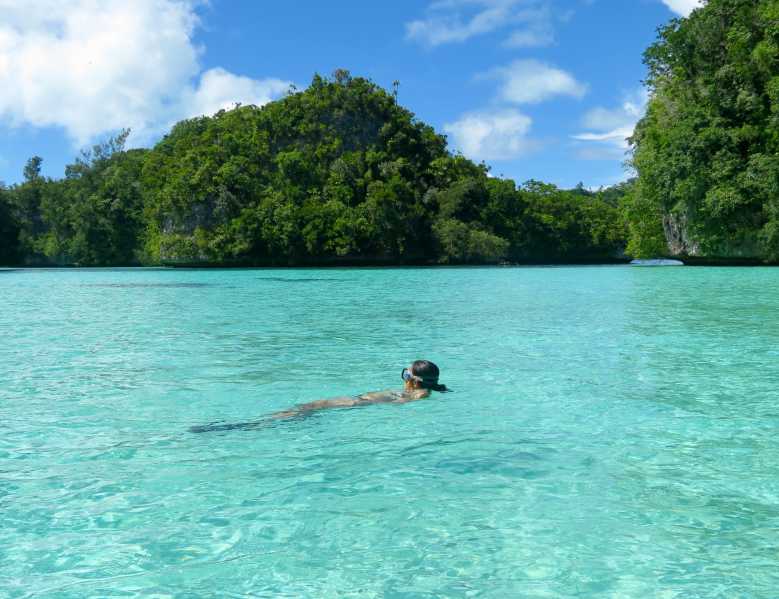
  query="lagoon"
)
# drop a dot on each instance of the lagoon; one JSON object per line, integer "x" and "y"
{"x": 612, "y": 432}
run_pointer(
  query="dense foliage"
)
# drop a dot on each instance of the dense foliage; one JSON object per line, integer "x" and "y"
{"x": 9, "y": 230}
{"x": 338, "y": 173}
{"x": 707, "y": 150}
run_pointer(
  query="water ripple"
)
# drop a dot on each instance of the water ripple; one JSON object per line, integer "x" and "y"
{"x": 612, "y": 434}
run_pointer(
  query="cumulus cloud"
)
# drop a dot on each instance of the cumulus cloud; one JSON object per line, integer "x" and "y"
{"x": 532, "y": 81}
{"x": 452, "y": 21}
{"x": 537, "y": 30}
{"x": 93, "y": 67}
{"x": 683, "y": 7}
{"x": 530, "y": 38}
{"x": 221, "y": 90}
{"x": 609, "y": 129}
{"x": 492, "y": 135}
{"x": 503, "y": 133}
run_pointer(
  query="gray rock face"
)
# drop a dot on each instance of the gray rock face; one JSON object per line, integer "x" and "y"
{"x": 738, "y": 247}
{"x": 679, "y": 242}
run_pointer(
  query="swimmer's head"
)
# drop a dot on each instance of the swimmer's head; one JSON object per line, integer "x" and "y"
{"x": 423, "y": 374}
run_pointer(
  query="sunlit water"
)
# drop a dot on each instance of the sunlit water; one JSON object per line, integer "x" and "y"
{"x": 614, "y": 432}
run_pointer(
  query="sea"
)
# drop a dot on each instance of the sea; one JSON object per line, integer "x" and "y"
{"x": 610, "y": 431}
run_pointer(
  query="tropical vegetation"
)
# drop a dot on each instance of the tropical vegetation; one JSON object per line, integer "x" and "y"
{"x": 707, "y": 151}
{"x": 337, "y": 174}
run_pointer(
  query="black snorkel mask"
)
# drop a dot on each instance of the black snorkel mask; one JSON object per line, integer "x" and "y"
{"x": 407, "y": 376}
{"x": 432, "y": 384}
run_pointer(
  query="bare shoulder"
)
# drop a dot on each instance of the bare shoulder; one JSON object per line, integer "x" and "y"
{"x": 408, "y": 396}
{"x": 392, "y": 396}
{"x": 379, "y": 396}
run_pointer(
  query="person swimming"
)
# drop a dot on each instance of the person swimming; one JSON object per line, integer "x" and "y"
{"x": 419, "y": 380}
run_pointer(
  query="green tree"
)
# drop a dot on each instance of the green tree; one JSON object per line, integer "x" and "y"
{"x": 25, "y": 200}
{"x": 568, "y": 225}
{"x": 338, "y": 173}
{"x": 9, "y": 230}
{"x": 335, "y": 172}
{"x": 95, "y": 215}
{"x": 706, "y": 150}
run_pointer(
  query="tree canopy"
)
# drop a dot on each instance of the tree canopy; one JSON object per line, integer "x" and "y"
{"x": 706, "y": 152}
{"x": 339, "y": 173}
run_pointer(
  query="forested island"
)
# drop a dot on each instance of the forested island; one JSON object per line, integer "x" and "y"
{"x": 336, "y": 174}
{"x": 340, "y": 173}
{"x": 706, "y": 152}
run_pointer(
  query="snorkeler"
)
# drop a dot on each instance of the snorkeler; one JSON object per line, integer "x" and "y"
{"x": 418, "y": 381}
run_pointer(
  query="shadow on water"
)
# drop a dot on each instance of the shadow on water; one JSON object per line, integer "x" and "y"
{"x": 297, "y": 280}
{"x": 198, "y": 285}
{"x": 150, "y": 285}
{"x": 271, "y": 421}
{"x": 216, "y": 427}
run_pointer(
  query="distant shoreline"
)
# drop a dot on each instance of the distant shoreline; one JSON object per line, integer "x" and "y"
{"x": 693, "y": 262}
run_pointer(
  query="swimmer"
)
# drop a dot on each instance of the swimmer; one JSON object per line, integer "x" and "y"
{"x": 419, "y": 380}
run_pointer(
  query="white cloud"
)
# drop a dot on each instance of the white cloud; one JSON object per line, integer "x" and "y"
{"x": 504, "y": 133}
{"x": 531, "y": 81}
{"x": 93, "y": 67}
{"x": 530, "y": 38}
{"x": 452, "y": 21}
{"x": 492, "y": 135}
{"x": 537, "y": 32}
{"x": 618, "y": 136}
{"x": 609, "y": 129}
{"x": 683, "y": 7}
{"x": 221, "y": 90}
{"x": 445, "y": 28}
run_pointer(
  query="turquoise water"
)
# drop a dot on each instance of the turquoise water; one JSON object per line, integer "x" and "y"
{"x": 613, "y": 433}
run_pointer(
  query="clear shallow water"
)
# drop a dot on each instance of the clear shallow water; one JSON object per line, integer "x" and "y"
{"x": 613, "y": 433}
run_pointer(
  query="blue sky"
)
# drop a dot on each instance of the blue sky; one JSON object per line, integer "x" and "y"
{"x": 541, "y": 89}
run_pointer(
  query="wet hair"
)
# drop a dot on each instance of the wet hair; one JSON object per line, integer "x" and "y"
{"x": 427, "y": 373}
